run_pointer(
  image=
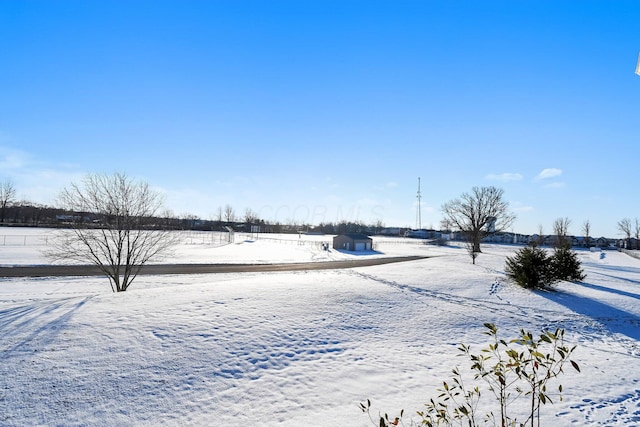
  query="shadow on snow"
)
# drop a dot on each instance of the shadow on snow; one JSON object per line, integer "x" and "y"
{"x": 358, "y": 253}
{"x": 613, "y": 318}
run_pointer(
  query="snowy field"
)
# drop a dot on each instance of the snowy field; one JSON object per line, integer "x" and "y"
{"x": 297, "y": 348}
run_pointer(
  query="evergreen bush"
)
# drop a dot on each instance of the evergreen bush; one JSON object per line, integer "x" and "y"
{"x": 530, "y": 268}
{"x": 533, "y": 268}
{"x": 566, "y": 266}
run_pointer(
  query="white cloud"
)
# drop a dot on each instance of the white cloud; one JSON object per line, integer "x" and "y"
{"x": 11, "y": 159}
{"x": 43, "y": 185}
{"x": 387, "y": 186}
{"x": 521, "y": 207}
{"x": 556, "y": 185}
{"x": 504, "y": 177}
{"x": 549, "y": 173}
{"x": 35, "y": 180}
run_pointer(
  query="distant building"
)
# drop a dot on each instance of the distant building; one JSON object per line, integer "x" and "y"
{"x": 391, "y": 231}
{"x": 422, "y": 234}
{"x": 353, "y": 242}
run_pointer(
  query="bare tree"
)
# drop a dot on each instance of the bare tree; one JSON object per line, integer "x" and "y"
{"x": 445, "y": 225}
{"x": 540, "y": 235}
{"x": 7, "y": 194}
{"x": 478, "y": 214}
{"x": 624, "y": 225}
{"x": 561, "y": 230}
{"x": 114, "y": 227}
{"x": 190, "y": 221}
{"x": 229, "y": 214}
{"x": 168, "y": 218}
{"x": 472, "y": 253}
{"x": 586, "y": 229}
{"x": 637, "y": 232}
{"x": 250, "y": 217}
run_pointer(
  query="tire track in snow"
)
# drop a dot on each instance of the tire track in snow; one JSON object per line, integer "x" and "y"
{"x": 586, "y": 327}
{"x": 498, "y": 307}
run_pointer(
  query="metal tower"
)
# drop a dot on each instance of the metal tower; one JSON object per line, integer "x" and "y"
{"x": 419, "y": 212}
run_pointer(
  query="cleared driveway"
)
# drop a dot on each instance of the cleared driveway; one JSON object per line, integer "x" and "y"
{"x": 92, "y": 270}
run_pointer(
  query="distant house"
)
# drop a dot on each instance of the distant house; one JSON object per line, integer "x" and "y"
{"x": 353, "y": 242}
{"x": 421, "y": 234}
{"x": 391, "y": 231}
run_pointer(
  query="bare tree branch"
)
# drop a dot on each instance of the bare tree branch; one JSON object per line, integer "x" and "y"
{"x": 586, "y": 229}
{"x": 7, "y": 195}
{"x": 229, "y": 214}
{"x": 114, "y": 227}
{"x": 561, "y": 230}
{"x": 478, "y": 214}
{"x": 624, "y": 225}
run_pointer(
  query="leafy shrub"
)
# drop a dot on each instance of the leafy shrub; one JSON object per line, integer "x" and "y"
{"x": 530, "y": 268}
{"x": 519, "y": 368}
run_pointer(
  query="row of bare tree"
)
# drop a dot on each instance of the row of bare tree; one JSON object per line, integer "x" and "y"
{"x": 113, "y": 223}
{"x": 483, "y": 211}
{"x": 123, "y": 233}
{"x": 29, "y": 213}
{"x": 631, "y": 231}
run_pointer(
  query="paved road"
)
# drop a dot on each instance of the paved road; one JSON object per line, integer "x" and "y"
{"x": 92, "y": 270}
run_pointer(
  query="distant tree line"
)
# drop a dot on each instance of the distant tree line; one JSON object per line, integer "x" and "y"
{"x": 25, "y": 213}
{"x": 631, "y": 231}
{"x": 471, "y": 217}
{"x": 29, "y": 214}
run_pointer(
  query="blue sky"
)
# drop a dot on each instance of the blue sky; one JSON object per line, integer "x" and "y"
{"x": 322, "y": 111}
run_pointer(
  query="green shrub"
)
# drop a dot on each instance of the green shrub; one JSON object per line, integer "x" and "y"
{"x": 519, "y": 368}
{"x": 533, "y": 268}
{"x": 566, "y": 266}
{"x": 530, "y": 268}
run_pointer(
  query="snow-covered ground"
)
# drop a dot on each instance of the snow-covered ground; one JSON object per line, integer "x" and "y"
{"x": 297, "y": 348}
